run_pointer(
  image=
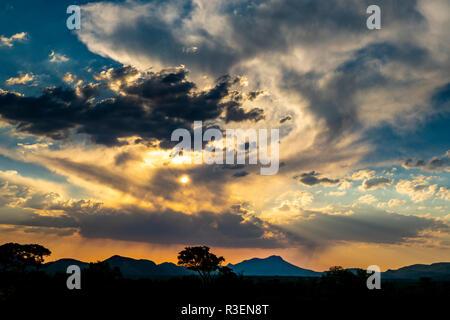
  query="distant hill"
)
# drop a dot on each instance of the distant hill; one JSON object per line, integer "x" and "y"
{"x": 271, "y": 266}
{"x": 130, "y": 268}
{"x": 62, "y": 264}
{"x": 145, "y": 268}
{"x": 439, "y": 271}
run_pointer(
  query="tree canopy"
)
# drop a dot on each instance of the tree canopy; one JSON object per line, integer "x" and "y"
{"x": 201, "y": 260}
{"x": 18, "y": 257}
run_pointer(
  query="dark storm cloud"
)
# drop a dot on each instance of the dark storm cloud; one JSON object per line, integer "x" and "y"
{"x": 171, "y": 227}
{"x": 162, "y": 227}
{"x": 364, "y": 226}
{"x": 235, "y": 113}
{"x": 313, "y": 230}
{"x": 25, "y": 217}
{"x": 313, "y": 178}
{"x": 374, "y": 183}
{"x": 166, "y": 227}
{"x": 151, "y": 108}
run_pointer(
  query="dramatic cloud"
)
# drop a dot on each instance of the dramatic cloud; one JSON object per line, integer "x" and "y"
{"x": 150, "y": 107}
{"x": 224, "y": 34}
{"x": 21, "y": 205}
{"x": 170, "y": 227}
{"x": 235, "y": 228}
{"x": 232, "y": 38}
{"x": 313, "y": 178}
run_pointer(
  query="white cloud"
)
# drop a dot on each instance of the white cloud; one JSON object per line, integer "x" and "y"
{"x": 363, "y": 174}
{"x": 418, "y": 190}
{"x": 8, "y": 42}
{"x": 392, "y": 203}
{"x": 337, "y": 193}
{"x": 23, "y": 79}
{"x": 368, "y": 199}
{"x": 443, "y": 193}
{"x": 345, "y": 185}
{"x": 57, "y": 58}
{"x": 69, "y": 77}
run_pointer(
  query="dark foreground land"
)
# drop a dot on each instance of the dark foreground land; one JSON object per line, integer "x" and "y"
{"x": 104, "y": 292}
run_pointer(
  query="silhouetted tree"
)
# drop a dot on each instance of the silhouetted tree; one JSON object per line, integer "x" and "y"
{"x": 227, "y": 274}
{"x": 342, "y": 282}
{"x": 199, "y": 259}
{"x": 335, "y": 269}
{"x": 99, "y": 275}
{"x": 18, "y": 257}
{"x": 226, "y": 271}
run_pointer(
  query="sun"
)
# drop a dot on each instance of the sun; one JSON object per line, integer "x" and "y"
{"x": 184, "y": 179}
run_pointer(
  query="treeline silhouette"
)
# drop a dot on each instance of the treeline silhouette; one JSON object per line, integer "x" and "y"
{"x": 105, "y": 290}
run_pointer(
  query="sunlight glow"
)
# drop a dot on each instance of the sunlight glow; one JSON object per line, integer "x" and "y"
{"x": 184, "y": 179}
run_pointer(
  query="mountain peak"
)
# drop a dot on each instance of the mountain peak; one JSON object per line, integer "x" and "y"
{"x": 118, "y": 258}
{"x": 271, "y": 266}
{"x": 274, "y": 258}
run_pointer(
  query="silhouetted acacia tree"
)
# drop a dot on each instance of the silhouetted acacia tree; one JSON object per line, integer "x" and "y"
{"x": 18, "y": 257}
{"x": 199, "y": 259}
{"x": 340, "y": 281}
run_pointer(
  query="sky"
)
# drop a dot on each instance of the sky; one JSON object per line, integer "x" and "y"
{"x": 86, "y": 116}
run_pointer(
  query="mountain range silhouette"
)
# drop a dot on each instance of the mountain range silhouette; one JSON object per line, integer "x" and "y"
{"x": 273, "y": 266}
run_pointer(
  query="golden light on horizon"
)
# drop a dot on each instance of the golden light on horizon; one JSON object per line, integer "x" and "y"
{"x": 184, "y": 179}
